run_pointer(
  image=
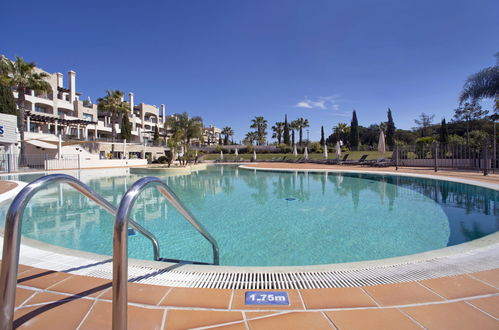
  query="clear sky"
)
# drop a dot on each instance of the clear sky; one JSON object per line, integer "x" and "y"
{"x": 229, "y": 61}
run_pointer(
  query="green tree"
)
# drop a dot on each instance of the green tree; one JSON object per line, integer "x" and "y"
{"x": 285, "y": 134}
{"x": 424, "y": 123}
{"x": 469, "y": 112}
{"x": 354, "y": 132}
{"x": 340, "y": 132}
{"x": 278, "y": 129}
{"x": 299, "y": 125}
{"x": 483, "y": 84}
{"x": 7, "y": 100}
{"x": 250, "y": 138}
{"x": 322, "y": 136}
{"x": 21, "y": 76}
{"x": 444, "y": 134}
{"x": 293, "y": 126}
{"x": 227, "y": 132}
{"x": 156, "y": 134}
{"x": 184, "y": 128}
{"x": 260, "y": 124}
{"x": 390, "y": 130}
{"x": 126, "y": 129}
{"x": 113, "y": 105}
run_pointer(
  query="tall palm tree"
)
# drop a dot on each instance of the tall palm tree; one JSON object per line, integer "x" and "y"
{"x": 21, "y": 76}
{"x": 340, "y": 130}
{"x": 184, "y": 128}
{"x": 278, "y": 129}
{"x": 294, "y": 127}
{"x": 483, "y": 84}
{"x": 301, "y": 123}
{"x": 260, "y": 124}
{"x": 113, "y": 105}
{"x": 227, "y": 132}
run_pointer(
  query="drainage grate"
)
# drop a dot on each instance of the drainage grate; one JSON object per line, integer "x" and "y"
{"x": 479, "y": 259}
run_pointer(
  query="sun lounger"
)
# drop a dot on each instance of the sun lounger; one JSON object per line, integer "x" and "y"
{"x": 361, "y": 161}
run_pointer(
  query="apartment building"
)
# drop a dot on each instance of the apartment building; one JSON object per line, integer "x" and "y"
{"x": 64, "y": 111}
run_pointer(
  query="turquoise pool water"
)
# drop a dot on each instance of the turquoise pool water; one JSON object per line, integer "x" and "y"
{"x": 271, "y": 218}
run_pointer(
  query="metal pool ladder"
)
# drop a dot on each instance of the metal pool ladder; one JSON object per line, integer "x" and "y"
{"x": 12, "y": 239}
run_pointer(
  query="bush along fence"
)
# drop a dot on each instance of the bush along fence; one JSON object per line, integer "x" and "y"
{"x": 483, "y": 157}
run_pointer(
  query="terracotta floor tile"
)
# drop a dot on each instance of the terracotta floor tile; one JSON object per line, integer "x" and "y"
{"x": 141, "y": 293}
{"x": 458, "y": 287}
{"x": 489, "y": 305}
{"x": 82, "y": 285}
{"x": 489, "y": 276}
{"x": 22, "y": 295}
{"x": 372, "y": 319}
{"x": 237, "y": 326}
{"x": 138, "y": 318}
{"x": 451, "y": 316}
{"x": 23, "y": 268}
{"x": 67, "y": 314}
{"x": 401, "y": 294}
{"x": 47, "y": 297}
{"x": 251, "y": 315}
{"x": 187, "y": 319}
{"x": 190, "y": 297}
{"x": 335, "y": 298}
{"x": 289, "y": 321}
{"x": 41, "y": 278}
{"x": 238, "y": 302}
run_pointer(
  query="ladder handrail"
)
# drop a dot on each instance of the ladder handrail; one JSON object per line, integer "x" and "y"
{"x": 12, "y": 237}
{"x": 120, "y": 242}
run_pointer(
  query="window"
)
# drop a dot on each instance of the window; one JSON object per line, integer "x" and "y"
{"x": 88, "y": 117}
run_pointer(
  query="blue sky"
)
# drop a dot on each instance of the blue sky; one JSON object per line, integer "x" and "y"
{"x": 229, "y": 61}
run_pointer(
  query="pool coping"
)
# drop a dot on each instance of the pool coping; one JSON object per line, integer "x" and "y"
{"x": 146, "y": 266}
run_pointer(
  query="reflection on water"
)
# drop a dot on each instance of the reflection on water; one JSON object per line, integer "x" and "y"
{"x": 271, "y": 218}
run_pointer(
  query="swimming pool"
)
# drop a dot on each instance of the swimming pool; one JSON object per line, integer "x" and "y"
{"x": 272, "y": 218}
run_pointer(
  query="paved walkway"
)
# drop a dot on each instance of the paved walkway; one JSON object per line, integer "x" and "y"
{"x": 48, "y": 299}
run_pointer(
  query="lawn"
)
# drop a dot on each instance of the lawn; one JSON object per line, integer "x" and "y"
{"x": 353, "y": 155}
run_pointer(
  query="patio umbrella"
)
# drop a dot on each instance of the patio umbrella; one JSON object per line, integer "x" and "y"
{"x": 381, "y": 143}
{"x": 305, "y": 153}
{"x": 325, "y": 151}
{"x": 196, "y": 153}
{"x": 338, "y": 150}
{"x": 254, "y": 155}
{"x": 236, "y": 153}
{"x": 295, "y": 152}
{"x": 221, "y": 155}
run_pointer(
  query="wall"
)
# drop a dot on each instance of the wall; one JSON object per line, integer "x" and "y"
{"x": 53, "y": 164}
{"x": 8, "y": 133}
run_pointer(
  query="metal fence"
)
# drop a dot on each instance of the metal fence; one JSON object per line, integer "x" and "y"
{"x": 484, "y": 157}
{"x": 16, "y": 163}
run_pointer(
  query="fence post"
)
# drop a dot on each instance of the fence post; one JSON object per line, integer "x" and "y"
{"x": 485, "y": 157}
{"x": 79, "y": 165}
{"x": 397, "y": 158}
{"x": 9, "y": 165}
{"x": 435, "y": 151}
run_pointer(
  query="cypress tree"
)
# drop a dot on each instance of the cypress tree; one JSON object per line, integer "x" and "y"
{"x": 354, "y": 132}
{"x": 390, "y": 130}
{"x": 126, "y": 129}
{"x": 286, "y": 131}
{"x": 156, "y": 134}
{"x": 322, "y": 136}
{"x": 7, "y": 101}
{"x": 444, "y": 134}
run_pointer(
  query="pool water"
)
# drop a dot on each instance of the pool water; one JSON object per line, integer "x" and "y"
{"x": 270, "y": 218}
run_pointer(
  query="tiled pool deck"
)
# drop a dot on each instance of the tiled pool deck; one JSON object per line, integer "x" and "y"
{"x": 49, "y": 299}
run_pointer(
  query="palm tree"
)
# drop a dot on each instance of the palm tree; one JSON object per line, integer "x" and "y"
{"x": 250, "y": 138}
{"x": 483, "y": 84}
{"x": 340, "y": 130}
{"x": 185, "y": 129}
{"x": 260, "y": 124}
{"x": 278, "y": 131}
{"x": 293, "y": 126}
{"x": 301, "y": 123}
{"x": 21, "y": 76}
{"x": 113, "y": 105}
{"x": 227, "y": 132}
